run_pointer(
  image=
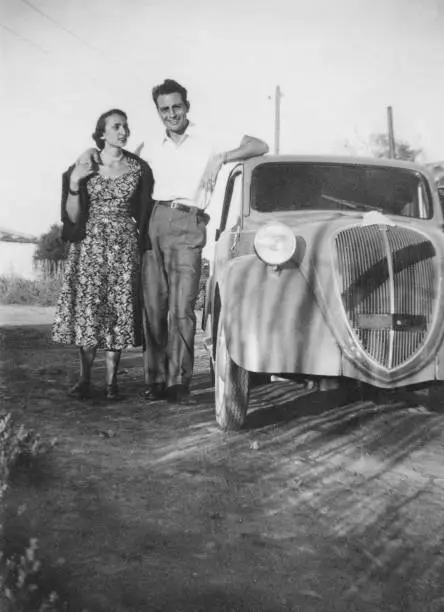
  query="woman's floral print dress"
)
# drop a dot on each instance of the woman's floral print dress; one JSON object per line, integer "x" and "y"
{"x": 98, "y": 301}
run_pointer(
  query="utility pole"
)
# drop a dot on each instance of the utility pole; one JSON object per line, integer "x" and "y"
{"x": 277, "y": 119}
{"x": 391, "y": 133}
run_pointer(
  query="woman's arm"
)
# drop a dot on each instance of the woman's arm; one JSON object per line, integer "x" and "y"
{"x": 80, "y": 171}
{"x": 73, "y": 201}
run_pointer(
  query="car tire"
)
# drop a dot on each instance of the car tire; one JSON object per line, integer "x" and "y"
{"x": 352, "y": 391}
{"x": 232, "y": 387}
{"x": 429, "y": 396}
{"x": 212, "y": 374}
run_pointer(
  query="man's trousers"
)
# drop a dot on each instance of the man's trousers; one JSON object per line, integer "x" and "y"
{"x": 170, "y": 282}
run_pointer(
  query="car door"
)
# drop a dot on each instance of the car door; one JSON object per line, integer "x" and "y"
{"x": 228, "y": 232}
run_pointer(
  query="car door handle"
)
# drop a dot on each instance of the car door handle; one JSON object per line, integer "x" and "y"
{"x": 236, "y": 239}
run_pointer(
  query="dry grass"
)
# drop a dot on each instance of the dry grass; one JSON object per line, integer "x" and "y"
{"x": 41, "y": 292}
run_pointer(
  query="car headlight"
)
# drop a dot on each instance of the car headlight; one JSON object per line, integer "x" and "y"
{"x": 275, "y": 243}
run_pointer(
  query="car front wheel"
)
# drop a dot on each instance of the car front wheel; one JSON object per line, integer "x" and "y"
{"x": 232, "y": 387}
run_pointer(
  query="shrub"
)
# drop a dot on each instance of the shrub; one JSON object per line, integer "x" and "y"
{"x": 20, "y": 573}
{"x": 40, "y": 292}
{"x": 51, "y": 249}
{"x": 19, "y": 448}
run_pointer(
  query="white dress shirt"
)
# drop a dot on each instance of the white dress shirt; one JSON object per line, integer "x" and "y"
{"x": 178, "y": 167}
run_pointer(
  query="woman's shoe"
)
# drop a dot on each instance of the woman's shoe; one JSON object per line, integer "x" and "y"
{"x": 112, "y": 391}
{"x": 81, "y": 390}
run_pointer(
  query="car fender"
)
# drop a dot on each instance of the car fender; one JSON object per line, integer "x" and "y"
{"x": 273, "y": 322}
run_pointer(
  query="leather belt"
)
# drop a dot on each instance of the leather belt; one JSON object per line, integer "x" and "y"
{"x": 178, "y": 206}
{"x": 184, "y": 208}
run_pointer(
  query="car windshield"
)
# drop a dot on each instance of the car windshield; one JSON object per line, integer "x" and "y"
{"x": 297, "y": 186}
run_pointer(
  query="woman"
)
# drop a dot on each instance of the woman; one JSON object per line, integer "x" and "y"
{"x": 105, "y": 211}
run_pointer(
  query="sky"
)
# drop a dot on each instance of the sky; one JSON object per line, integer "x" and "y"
{"x": 339, "y": 64}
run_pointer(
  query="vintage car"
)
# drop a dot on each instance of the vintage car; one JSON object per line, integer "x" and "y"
{"x": 325, "y": 269}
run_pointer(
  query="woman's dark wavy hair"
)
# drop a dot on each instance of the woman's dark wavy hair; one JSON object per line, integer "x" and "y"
{"x": 169, "y": 86}
{"x": 101, "y": 123}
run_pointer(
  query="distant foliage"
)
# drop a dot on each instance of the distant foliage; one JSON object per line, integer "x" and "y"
{"x": 380, "y": 148}
{"x": 40, "y": 292}
{"x": 205, "y": 270}
{"x": 51, "y": 250}
{"x": 437, "y": 169}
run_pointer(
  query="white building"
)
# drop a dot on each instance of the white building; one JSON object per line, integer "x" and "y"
{"x": 16, "y": 254}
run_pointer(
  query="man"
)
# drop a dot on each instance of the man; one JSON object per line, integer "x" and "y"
{"x": 185, "y": 169}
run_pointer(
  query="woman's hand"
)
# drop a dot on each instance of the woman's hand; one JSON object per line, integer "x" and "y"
{"x": 138, "y": 149}
{"x": 86, "y": 164}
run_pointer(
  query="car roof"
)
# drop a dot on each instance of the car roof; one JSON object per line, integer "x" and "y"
{"x": 336, "y": 159}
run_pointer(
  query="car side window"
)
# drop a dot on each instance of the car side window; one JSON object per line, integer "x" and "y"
{"x": 441, "y": 199}
{"x": 232, "y": 203}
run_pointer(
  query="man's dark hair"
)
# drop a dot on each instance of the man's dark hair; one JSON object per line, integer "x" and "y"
{"x": 169, "y": 86}
{"x": 101, "y": 123}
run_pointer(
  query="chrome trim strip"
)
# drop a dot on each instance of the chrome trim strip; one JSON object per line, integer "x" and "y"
{"x": 391, "y": 279}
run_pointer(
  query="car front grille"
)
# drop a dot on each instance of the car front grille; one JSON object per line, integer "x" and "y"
{"x": 388, "y": 283}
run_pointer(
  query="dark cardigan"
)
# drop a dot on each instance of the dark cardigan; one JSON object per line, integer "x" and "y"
{"x": 141, "y": 203}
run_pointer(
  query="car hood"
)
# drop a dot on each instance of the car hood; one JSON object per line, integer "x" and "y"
{"x": 365, "y": 270}
{"x": 317, "y": 228}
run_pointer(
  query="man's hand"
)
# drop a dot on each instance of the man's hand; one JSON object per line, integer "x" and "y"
{"x": 209, "y": 177}
{"x": 138, "y": 149}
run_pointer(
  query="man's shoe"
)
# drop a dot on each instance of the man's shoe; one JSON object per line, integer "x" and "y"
{"x": 155, "y": 392}
{"x": 180, "y": 394}
{"x": 81, "y": 390}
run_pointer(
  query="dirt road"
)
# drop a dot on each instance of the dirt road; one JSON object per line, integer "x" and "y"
{"x": 152, "y": 508}
{"x": 16, "y": 314}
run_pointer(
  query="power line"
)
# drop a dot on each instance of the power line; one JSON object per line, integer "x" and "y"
{"x": 66, "y": 31}
{"x": 79, "y": 38}
{"x": 36, "y": 46}
{"x": 62, "y": 27}
{"x": 277, "y": 119}
{"x": 24, "y": 39}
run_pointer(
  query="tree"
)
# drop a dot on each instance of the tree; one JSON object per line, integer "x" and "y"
{"x": 379, "y": 144}
{"x": 437, "y": 169}
{"x": 51, "y": 250}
